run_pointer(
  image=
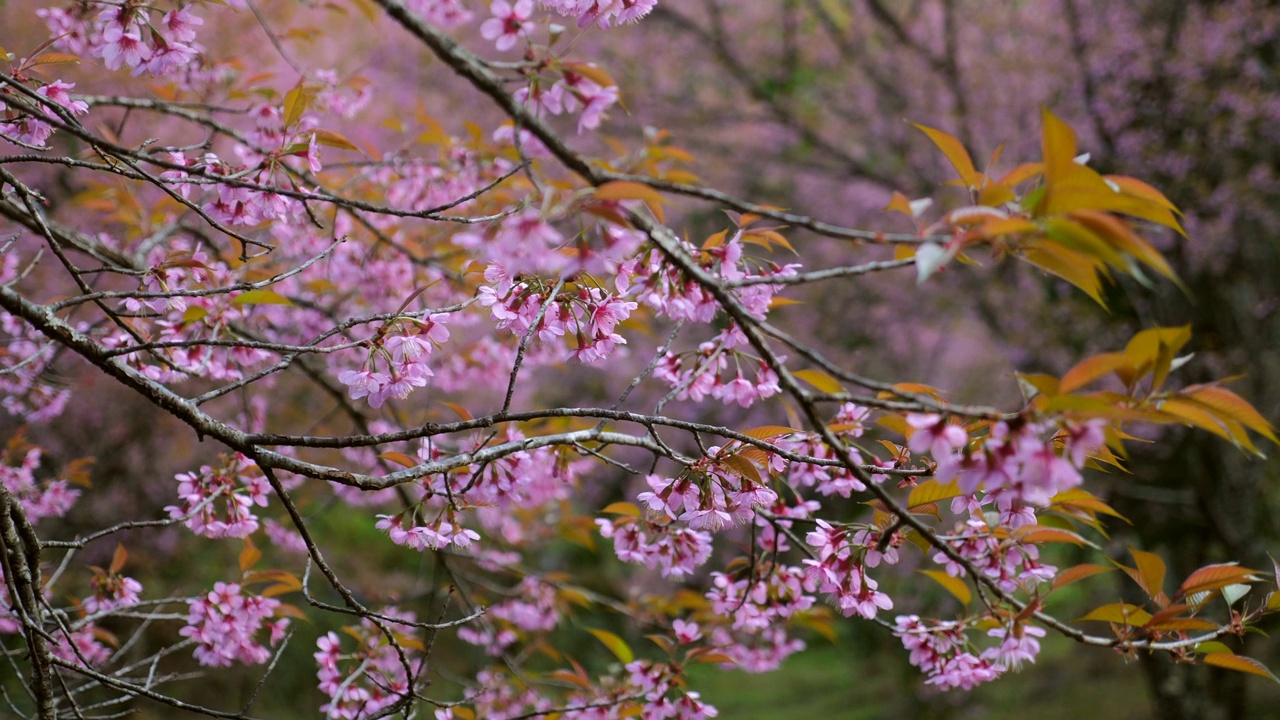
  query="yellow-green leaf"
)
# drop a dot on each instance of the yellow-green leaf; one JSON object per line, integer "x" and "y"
{"x": 931, "y": 491}
{"x": 953, "y": 585}
{"x": 743, "y": 468}
{"x": 622, "y": 508}
{"x": 1120, "y": 614}
{"x": 261, "y": 297}
{"x": 616, "y": 645}
{"x": 332, "y": 139}
{"x": 820, "y": 380}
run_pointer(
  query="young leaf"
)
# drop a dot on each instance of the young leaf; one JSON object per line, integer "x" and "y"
{"x": 1151, "y": 571}
{"x": 399, "y": 458}
{"x": 1224, "y": 402}
{"x": 954, "y": 152}
{"x": 622, "y": 508}
{"x": 118, "y": 559}
{"x": 1239, "y": 663}
{"x": 1120, "y": 614}
{"x": 1212, "y": 577}
{"x": 1079, "y": 572}
{"x": 1090, "y": 369}
{"x": 931, "y": 491}
{"x": 249, "y": 556}
{"x": 261, "y": 297}
{"x": 616, "y": 645}
{"x": 820, "y": 380}
{"x": 953, "y": 585}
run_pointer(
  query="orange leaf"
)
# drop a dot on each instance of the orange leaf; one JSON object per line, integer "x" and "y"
{"x": 1038, "y": 534}
{"x": 1079, "y": 572}
{"x": 118, "y": 560}
{"x": 955, "y": 153}
{"x": 1182, "y": 624}
{"x": 399, "y": 458}
{"x": 622, "y": 508}
{"x": 1151, "y": 570}
{"x": 899, "y": 203}
{"x": 767, "y": 432}
{"x": 1225, "y": 402}
{"x": 1239, "y": 663}
{"x": 249, "y": 556}
{"x": 1076, "y": 268}
{"x": 1212, "y": 577}
{"x": 1090, "y": 369}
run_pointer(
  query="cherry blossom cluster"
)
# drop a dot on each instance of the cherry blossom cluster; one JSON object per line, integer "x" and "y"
{"x": 30, "y": 129}
{"x": 81, "y": 646}
{"x": 939, "y": 650}
{"x": 1010, "y": 564}
{"x": 127, "y": 35}
{"x": 526, "y": 480}
{"x": 226, "y": 624}
{"x": 588, "y": 317}
{"x": 40, "y": 499}
{"x": 218, "y": 502}
{"x": 531, "y": 609}
{"x": 655, "y": 681}
{"x": 665, "y": 288}
{"x": 403, "y": 353}
{"x": 839, "y": 572}
{"x": 372, "y": 676}
{"x": 1013, "y": 463}
{"x": 677, "y": 552}
{"x": 756, "y": 604}
{"x": 705, "y": 372}
{"x": 111, "y": 591}
{"x": 576, "y": 90}
{"x": 445, "y": 13}
{"x": 603, "y": 13}
{"x": 707, "y": 497}
{"x": 757, "y": 652}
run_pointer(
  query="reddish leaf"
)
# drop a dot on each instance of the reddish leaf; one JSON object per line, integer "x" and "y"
{"x": 118, "y": 559}
{"x": 1212, "y": 577}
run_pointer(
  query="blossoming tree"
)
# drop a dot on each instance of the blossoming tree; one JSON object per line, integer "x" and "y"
{"x": 500, "y": 346}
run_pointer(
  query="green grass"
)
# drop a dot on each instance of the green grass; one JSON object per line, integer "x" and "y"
{"x": 1068, "y": 683}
